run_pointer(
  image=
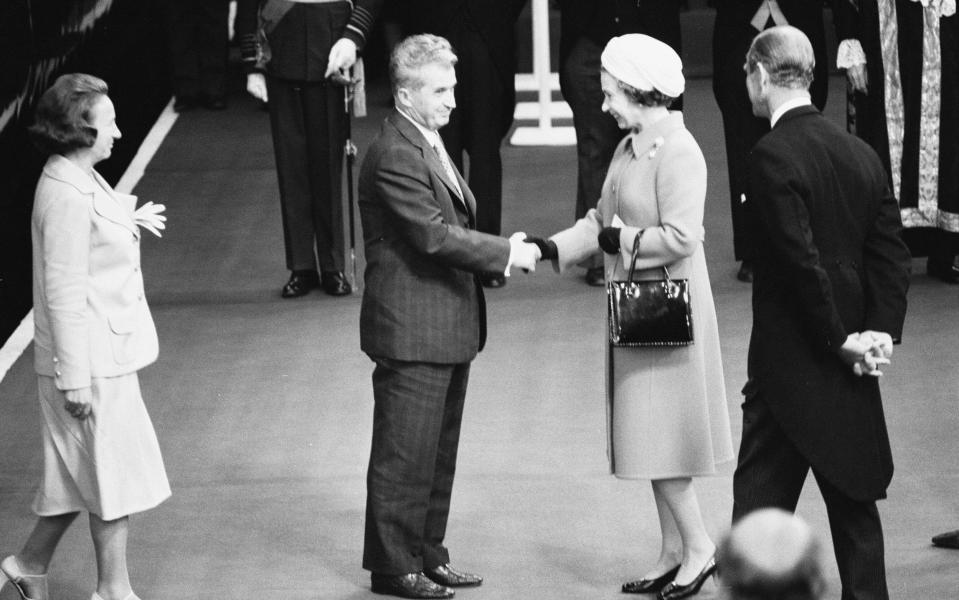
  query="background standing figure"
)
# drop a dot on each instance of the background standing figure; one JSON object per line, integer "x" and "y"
{"x": 668, "y": 420}
{"x": 298, "y": 54}
{"x": 737, "y": 22}
{"x": 482, "y": 34}
{"x": 902, "y": 59}
{"x": 829, "y": 298}
{"x": 93, "y": 332}
{"x": 585, "y": 28}
{"x": 199, "y": 47}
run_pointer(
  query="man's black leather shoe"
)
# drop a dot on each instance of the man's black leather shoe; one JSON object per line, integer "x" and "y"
{"x": 300, "y": 283}
{"x": 950, "y": 539}
{"x": 493, "y": 280}
{"x": 943, "y": 271}
{"x": 450, "y": 577}
{"x": 411, "y": 585}
{"x": 745, "y": 273}
{"x": 335, "y": 284}
{"x": 596, "y": 276}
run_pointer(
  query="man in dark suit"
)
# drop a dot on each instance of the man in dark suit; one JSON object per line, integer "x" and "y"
{"x": 422, "y": 321}
{"x": 482, "y": 34}
{"x": 737, "y": 22}
{"x": 829, "y": 297}
{"x": 585, "y": 27}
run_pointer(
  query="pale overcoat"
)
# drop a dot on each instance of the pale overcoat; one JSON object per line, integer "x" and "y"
{"x": 90, "y": 316}
{"x": 666, "y": 407}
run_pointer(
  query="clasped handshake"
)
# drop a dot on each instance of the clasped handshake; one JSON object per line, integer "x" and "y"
{"x": 524, "y": 253}
{"x": 865, "y": 352}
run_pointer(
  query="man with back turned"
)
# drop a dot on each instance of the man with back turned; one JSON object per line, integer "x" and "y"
{"x": 829, "y": 298}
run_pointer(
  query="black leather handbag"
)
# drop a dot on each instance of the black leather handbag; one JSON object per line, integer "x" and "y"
{"x": 649, "y": 313}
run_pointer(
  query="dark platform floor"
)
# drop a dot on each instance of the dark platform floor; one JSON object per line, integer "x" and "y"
{"x": 263, "y": 406}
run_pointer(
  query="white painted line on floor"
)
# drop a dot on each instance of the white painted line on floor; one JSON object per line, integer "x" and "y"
{"x": 23, "y": 335}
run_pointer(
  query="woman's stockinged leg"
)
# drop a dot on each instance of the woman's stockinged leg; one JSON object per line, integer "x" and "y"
{"x": 34, "y": 558}
{"x": 680, "y": 497}
{"x": 671, "y": 550}
{"x": 110, "y": 545}
{"x": 38, "y": 550}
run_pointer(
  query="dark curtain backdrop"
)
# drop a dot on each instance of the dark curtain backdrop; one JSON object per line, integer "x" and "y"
{"x": 121, "y": 41}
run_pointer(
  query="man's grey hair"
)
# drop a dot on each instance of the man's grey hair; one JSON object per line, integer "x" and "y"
{"x": 786, "y": 54}
{"x": 415, "y": 52}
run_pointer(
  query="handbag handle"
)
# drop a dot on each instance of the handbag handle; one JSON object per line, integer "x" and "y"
{"x": 632, "y": 263}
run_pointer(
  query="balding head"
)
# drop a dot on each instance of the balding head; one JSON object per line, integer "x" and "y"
{"x": 786, "y": 55}
{"x": 768, "y": 555}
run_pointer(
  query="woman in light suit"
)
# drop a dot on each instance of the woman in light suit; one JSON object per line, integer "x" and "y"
{"x": 668, "y": 420}
{"x": 93, "y": 333}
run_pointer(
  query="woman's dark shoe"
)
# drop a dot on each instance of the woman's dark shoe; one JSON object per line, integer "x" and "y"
{"x": 673, "y": 591}
{"x": 335, "y": 284}
{"x": 943, "y": 271}
{"x": 650, "y": 586}
{"x": 745, "y": 273}
{"x": 300, "y": 283}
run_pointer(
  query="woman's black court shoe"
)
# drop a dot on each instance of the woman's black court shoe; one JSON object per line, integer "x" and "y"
{"x": 650, "y": 586}
{"x": 674, "y": 592}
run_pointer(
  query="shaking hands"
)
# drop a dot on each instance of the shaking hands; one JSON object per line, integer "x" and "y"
{"x": 522, "y": 254}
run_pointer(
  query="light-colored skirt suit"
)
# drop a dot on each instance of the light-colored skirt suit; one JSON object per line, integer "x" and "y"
{"x": 666, "y": 407}
{"x": 92, "y": 329}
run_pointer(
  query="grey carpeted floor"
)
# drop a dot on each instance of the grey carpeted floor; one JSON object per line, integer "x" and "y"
{"x": 263, "y": 406}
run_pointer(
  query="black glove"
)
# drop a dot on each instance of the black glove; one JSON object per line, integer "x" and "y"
{"x": 609, "y": 240}
{"x": 547, "y": 248}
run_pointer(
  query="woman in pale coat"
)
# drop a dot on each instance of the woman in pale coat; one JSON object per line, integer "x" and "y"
{"x": 93, "y": 331}
{"x": 668, "y": 420}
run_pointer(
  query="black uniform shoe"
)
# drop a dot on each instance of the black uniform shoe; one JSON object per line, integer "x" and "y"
{"x": 213, "y": 102}
{"x": 335, "y": 284}
{"x": 450, "y": 577}
{"x": 300, "y": 283}
{"x": 411, "y": 585}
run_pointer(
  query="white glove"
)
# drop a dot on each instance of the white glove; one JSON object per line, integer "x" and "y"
{"x": 881, "y": 342}
{"x": 256, "y": 85}
{"x": 342, "y": 57}
{"x": 149, "y": 217}
{"x": 521, "y": 254}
